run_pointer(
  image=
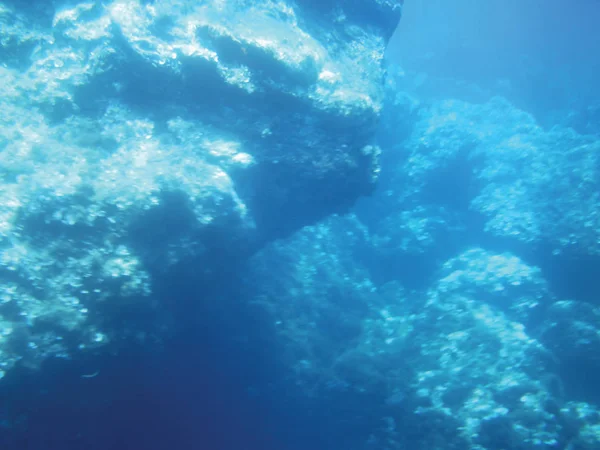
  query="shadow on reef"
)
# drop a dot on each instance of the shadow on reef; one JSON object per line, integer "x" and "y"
{"x": 195, "y": 391}
{"x": 215, "y": 383}
{"x": 203, "y": 387}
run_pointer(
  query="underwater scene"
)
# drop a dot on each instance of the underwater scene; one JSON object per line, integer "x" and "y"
{"x": 300, "y": 225}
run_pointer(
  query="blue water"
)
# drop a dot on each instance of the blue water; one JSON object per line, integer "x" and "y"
{"x": 456, "y": 307}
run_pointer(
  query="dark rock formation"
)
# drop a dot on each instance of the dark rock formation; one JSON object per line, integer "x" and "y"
{"x": 140, "y": 137}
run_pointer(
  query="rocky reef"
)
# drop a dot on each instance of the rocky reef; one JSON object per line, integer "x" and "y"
{"x": 138, "y": 138}
{"x": 177, "y": 208}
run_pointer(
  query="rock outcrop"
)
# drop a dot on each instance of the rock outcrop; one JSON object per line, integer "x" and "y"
{"x": 139, "y": 138}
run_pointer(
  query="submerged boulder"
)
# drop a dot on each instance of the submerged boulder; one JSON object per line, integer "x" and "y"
{"x": 138, "y": 138}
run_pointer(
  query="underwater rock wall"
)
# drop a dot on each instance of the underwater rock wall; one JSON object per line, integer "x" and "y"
{"x": 464, "y": 291}
{"x": 488, "y": 172}
{"x": 150, "y": 150}
{"x": 484, "y": 357}
{"x": 138, "y": 137}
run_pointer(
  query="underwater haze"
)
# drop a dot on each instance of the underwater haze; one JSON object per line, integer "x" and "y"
{"x": 541, "y": 55}
{"x": 293, "y": 225}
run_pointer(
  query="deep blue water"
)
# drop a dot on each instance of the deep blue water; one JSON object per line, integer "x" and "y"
{"x": 539, "y": 54}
